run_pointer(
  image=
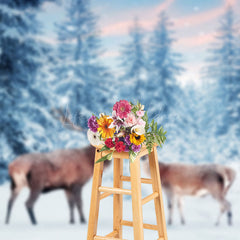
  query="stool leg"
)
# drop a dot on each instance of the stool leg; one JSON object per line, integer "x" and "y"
{"x": 95, "y": 198}
{"x": 136, "y": 199}
{"x": 117, "y": 198}
{"x": 156, "y": 185}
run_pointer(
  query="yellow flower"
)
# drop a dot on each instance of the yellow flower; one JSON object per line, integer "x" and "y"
{"x": 104, "y": 122}
{"x": 137, "y": 139}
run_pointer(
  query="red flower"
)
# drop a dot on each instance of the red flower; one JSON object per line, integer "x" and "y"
{"x": 109, "y": 143}
{"x": 120, "y": 147}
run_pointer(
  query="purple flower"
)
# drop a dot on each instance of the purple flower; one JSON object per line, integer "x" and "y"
{"x": 92, "y": 124}
{"x": 126, "y": 148}
{"x": 136, "y": 148}
{"x": 127, "y": 140}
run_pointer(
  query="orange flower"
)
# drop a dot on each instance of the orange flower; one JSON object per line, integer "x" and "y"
{"x": 104, "y": 122}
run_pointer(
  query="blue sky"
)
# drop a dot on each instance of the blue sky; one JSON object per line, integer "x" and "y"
{"x": 195, "y": 23}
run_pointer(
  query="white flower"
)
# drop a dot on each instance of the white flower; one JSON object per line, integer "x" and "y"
{"x": 94, "y": 138}
{"x": 112, "y": 125}
{"x": 114, "y": 114}
{"x": 101, "y": 115}
{"x": 117, "y": 121}
{"x": 138, "y": 129}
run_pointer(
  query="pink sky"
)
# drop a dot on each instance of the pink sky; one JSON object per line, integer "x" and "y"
{"x": 150, "y": 17}
{"x": 194, "y": 30}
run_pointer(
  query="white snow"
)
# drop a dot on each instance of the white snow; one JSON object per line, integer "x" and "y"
{"x": 52, "y": 215}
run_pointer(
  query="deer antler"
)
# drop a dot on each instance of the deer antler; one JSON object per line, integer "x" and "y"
{"x": 58, "y": 113}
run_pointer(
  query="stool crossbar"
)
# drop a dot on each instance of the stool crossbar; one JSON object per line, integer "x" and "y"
{"x": 100, "y": 192}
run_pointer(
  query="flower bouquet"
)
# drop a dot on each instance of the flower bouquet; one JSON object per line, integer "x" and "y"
{"x": 126, "y": 130}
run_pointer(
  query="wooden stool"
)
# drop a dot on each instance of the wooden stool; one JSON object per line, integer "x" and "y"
{"x": 100, "y": 192}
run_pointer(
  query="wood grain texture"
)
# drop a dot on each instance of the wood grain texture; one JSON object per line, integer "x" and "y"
{"x": 143, "y": 180}
{"x": 95, "y": 197}
{"x": 136, "y": 199}
{"x": 107, "y": 238}
{"x": 124, "y": 155}
{"x": 149, "y": 197}
{"x": 111, "y": 234}
{"x": 158, "y": 202}
{"x": 115, "y": 190}
{"x": 145, "y": 225}
{"x": 104, "y": 195}
{"x": 117, "y": 198}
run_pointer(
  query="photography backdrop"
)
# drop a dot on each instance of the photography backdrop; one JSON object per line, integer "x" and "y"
{"x": 180, "y": 58}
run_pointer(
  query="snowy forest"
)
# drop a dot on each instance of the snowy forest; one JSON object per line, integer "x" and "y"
{"x": 37, "y": 78}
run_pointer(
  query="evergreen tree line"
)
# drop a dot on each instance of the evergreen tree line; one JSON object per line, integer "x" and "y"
{"x": 202, "y": 124}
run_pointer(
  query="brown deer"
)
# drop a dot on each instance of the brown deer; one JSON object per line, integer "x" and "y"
{"x": 179, "y": 180}
{"x": 67, "y": 169}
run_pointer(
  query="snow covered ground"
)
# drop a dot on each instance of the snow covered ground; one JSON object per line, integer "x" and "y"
{"x": 52, "y": 215}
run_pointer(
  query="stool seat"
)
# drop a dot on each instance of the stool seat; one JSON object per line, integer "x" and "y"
{"x": 100, "y": 192}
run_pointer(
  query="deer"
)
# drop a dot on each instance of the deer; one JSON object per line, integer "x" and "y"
{"x": 179, "y": 180}
{"x": 66, "y": 169}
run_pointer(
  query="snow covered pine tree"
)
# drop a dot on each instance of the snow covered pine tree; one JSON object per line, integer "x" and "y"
{"x": 133, "y": 65}
{"x": 80, "y": 76}
{"x": 24, "y": 119}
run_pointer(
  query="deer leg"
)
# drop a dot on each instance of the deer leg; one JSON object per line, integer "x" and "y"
{"x": 179, "y": 204}
{"x": 225, "y": 207}
{"x": 229, "y": 212}
{"x": 222, "y": 210}
{"x": 78, "y": 201}
{"x": 170, "y": 202}
{"x": 215, "y": 186}
{"x": 11, "y": 201}
{"x": 30, "y": 203}
{"x": 71, "y": 203}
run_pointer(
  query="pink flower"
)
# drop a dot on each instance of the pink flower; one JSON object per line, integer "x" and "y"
{"x": 141, "y": 122}
{"x": 130, "y": 120}
{"x": 122, "y": 108}
{"x": 140, "y": 113}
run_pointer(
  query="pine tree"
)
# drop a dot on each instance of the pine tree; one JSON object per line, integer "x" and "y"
{"x": 162, "y": 92}
{"x": 80, "y": 75}
{"x": 237, "y": 86}
{"x": 222, "y": 102}
{"x": 24, "y": 119}
{"x": 133, "y": 65}
{"x": 223, "y": 71}
{"x": 164, "y": 69}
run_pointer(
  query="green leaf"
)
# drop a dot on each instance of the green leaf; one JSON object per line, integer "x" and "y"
{"x": 132, "y": 156}
{"x": 106, "y": 157}
{"x": 158, "y": 140}
{"x": 104, "y": 148}
{"x": 145, "y": 117}
{"x": 151, "y": 124}
{"x": 155, "y": 127}
{"x": 109, "y": 156}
